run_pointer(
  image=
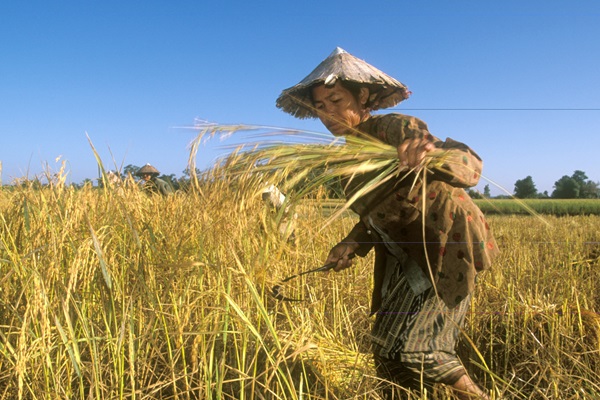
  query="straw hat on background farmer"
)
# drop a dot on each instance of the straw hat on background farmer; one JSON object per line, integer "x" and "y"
{"x": 152, "y": 183}
{"x": 424, "y": 275}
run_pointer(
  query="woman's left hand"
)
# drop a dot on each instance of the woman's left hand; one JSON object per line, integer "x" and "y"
{"x": 342, "y": 254}
{"x": 412, "y": 151}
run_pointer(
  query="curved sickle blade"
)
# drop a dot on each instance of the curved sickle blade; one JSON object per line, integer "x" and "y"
{"x": 276, "y": 291}
{"x": 279, "y": 296}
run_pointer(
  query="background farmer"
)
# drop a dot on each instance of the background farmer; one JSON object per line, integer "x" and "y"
{"x": 428, "y": 249}
{"x": 152, "y": 183}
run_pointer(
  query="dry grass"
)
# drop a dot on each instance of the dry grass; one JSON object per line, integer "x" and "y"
{"x": 303, "y": 162}
{"x": 111, "y": 294}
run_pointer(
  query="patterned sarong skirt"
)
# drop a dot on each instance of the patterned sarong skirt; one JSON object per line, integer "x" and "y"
{"x": 417, "y": 329}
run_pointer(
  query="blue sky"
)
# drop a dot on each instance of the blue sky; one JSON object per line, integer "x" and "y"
{"x": 516, "y": 80}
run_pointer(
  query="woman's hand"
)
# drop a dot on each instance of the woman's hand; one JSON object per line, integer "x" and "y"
{"x": 412, "y": 151}
{"x": 342, "y": 254}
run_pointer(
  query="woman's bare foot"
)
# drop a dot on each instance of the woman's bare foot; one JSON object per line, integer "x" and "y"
{"x": 466, "y": 389}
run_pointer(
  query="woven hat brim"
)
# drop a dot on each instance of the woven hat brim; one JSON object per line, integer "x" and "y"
{"x": 385, "y": 91}
{"x": 147, "y": 170}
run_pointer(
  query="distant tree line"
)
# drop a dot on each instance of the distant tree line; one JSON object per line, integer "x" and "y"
{"x": 576, "y": 186}
{"x": 177, "y": 183}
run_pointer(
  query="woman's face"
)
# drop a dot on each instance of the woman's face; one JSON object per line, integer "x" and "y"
{"x": 338, "y": 109}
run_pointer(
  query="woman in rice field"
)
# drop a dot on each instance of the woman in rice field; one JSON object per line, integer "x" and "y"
{"x": 152, "y": 183}
{"x": 430, "y": 239}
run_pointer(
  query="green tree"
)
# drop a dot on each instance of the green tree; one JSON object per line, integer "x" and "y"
{"x": 590, "y": 190}
{"x": 486, "y": 191}
{"x": 580, "y": 177}
{"x": 525, "y": 188}
{"x": 474, "y": 194}
{"x": 587, "y": 188}
{"x": 130, "y": 169}
{"x": 576, "y": 186}
{"x": 566, "y": 188}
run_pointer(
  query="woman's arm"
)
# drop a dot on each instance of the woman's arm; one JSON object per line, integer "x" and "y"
{"x": 461, "y": 166}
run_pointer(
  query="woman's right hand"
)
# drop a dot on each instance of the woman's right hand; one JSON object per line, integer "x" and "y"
{"x": 412, "y": 151}
{"x": 341, "y": 254}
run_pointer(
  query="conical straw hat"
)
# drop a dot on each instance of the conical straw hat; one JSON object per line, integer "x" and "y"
{"x": 385, "y": 91}
{"x": 147, "y": 170}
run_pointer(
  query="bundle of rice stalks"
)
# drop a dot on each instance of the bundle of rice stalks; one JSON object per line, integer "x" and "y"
{"x": 301, "y": 162}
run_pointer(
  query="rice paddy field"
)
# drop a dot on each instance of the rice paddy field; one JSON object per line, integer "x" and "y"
{"x": 557, "y": 207}
{"x": 114, "y": 294}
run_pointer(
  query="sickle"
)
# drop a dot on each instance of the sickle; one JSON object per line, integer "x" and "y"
{"x": 276, "y": 291}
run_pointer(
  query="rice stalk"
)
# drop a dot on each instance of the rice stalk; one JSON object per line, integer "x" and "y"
{"x": 303, "y": 161}
{"x": 168, "y": 261}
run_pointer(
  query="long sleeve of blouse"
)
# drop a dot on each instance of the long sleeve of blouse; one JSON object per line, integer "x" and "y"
{"x": 461, "y": 166}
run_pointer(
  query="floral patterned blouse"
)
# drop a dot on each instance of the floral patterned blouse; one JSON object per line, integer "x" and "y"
{"x": 455, "y": 242}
